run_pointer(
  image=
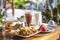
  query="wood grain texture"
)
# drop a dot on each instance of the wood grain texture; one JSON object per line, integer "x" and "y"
{"x": 40, "y": 36}
{"x": 51, "y": 36}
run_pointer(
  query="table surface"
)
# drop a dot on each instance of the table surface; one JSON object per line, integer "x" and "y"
{"x": 40, "y": 36}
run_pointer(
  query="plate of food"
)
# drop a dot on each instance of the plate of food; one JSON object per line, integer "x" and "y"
{"x": 25, "y": 32}
{"x": 45, "y": 29}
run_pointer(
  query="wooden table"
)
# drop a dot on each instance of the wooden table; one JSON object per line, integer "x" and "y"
{"x": 45, "y": 36}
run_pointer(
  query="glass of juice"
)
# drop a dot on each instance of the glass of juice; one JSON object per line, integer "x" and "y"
{"x": 28, "y": 16}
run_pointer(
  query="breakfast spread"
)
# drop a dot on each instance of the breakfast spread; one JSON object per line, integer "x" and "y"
{"x": 25, "y": 31}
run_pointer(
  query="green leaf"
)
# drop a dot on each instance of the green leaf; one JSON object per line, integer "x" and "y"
{"x": 20, "y": 2}
{"x": 1, "y": 15}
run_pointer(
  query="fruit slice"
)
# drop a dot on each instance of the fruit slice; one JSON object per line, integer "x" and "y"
{"x": 43, "y": 28}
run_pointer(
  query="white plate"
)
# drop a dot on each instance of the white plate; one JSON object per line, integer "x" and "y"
{"x": 49, "y": 30}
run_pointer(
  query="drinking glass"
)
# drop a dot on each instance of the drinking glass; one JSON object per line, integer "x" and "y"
{"x": 28, "y": 16}
{"x": 37, "y": 20}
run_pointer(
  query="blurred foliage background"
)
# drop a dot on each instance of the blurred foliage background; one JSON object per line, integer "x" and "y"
{"x": 20, "y": 3}
{"x": 47, "y": 15}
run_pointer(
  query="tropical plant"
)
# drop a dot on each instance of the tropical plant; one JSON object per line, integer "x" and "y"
{"x": 58, "y": 1}
{"x": 20, "y": 3}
